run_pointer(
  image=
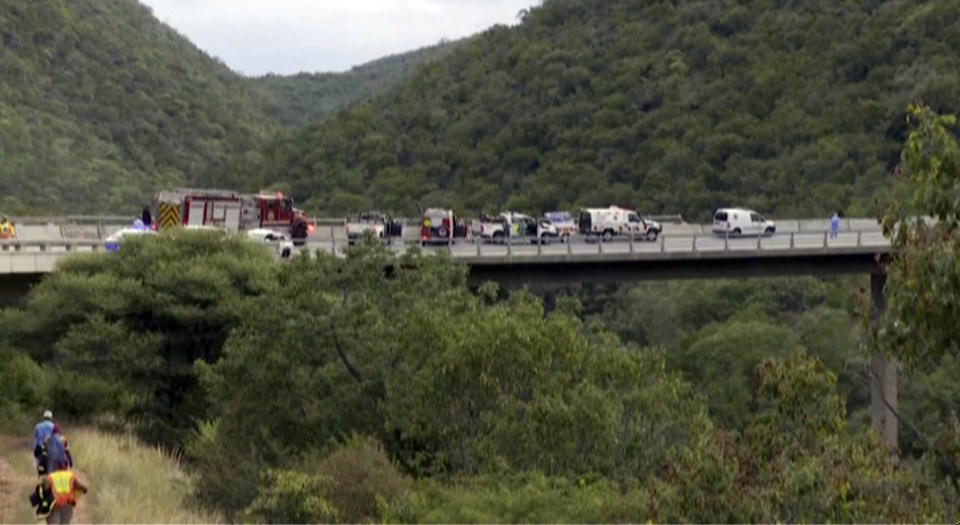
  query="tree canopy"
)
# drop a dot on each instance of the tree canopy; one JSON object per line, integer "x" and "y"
{"x": 664, "y": 106}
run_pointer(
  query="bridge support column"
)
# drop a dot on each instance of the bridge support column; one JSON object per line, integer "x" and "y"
{"x": 883, "y": 376}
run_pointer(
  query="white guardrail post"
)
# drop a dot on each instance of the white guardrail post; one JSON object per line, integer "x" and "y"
{"x": 631, "y": 242}
{"x": 791, "y": 239}
{"x": 333, "y": 241}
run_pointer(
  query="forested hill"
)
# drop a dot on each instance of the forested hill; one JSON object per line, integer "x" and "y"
{"x": 101, "y": 105}
{"x": 794, "y": 108}
{"x": 295, "y": 100}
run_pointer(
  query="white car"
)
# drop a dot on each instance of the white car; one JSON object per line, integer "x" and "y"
{"x": 741, "y": 221}
{"x": 280, "y": 242}
{"x": 112, "y": 243}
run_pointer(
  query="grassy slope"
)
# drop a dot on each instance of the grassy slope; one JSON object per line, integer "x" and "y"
{"x": 129, "y": 482}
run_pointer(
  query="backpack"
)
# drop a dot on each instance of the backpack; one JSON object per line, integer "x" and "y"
{"x": 55, "y": 452}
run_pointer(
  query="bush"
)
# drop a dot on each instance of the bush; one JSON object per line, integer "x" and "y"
{"x": 23, "y": 389}
{"x": 286, "y": 496}
{"x": 523, "y": 498}
{"x": 364, "y": 477}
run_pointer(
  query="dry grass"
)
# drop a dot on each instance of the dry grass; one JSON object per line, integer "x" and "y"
{"x": 130, "y": 482}
{"x": 17, "y": 479}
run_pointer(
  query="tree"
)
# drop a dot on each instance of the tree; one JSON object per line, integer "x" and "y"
{"x": 139, "y": 319}
{"x": 923, "y": 283}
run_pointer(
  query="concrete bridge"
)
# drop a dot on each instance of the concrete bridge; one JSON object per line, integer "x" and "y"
{"x": 683, "y": 251}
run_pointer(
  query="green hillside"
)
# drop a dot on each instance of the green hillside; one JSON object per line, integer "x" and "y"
{"x": 295, "y": 100}
{"x": 101, "y": 105}
{"x": 795, "y": 108}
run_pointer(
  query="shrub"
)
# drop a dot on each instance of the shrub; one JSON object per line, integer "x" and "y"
{"x": 287, "y": 496}
{"x": 23, "y": 389}
{"x": 364, "y": 478}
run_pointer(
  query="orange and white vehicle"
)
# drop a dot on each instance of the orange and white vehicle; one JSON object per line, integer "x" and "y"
{"x": 232, "y": 211}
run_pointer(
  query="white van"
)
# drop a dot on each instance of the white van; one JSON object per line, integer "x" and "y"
{"x": 739, "y": 221}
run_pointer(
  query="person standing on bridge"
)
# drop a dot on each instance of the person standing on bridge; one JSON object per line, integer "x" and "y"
{"x": 6, "y": 228}
{"x": 146, "y": 218}
{"x": 834, "y": 224}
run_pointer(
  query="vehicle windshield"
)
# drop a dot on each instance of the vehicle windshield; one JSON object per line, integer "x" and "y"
{"x": 633, "y": 217}
{"x": 720, "y": 216}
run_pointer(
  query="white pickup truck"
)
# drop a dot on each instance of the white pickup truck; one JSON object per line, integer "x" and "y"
{"x": 376, "y": 224}
{"x": 512, "y": 225}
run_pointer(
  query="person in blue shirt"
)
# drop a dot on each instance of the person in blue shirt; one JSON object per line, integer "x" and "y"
{"x": 40, "y": 433}
{"x": 834, "y": 224}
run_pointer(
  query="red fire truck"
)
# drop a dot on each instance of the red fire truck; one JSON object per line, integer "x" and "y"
{"x": 231, "y": 210}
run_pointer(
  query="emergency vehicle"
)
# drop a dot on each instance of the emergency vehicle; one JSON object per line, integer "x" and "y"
{"x": 513, "y": 225}
{"x": 232, "y": 211}
{"x": 605, "y": 223}
{"x": 378, "y": 225}
{"x": 438, "y": 225}
{"x": 564, "y": 223}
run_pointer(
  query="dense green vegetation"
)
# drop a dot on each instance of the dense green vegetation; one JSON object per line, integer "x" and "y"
{"x": 101, "y": 106}
{"x": 794, "y": 108}
{"x": 379, "y": 387}
{"x": 296, "y": 100}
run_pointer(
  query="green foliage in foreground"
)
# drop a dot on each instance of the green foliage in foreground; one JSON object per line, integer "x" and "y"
{"x": 792, "y": 108}
{"x": 380, "y": 388}
{"x": 919, "y": 326}
{"x": 134, "y": 322}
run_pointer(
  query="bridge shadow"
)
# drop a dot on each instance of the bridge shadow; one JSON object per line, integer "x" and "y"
{"x": 14, "y": 287}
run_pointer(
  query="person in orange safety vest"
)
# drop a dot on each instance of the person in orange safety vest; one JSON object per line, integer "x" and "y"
{"x": 63, "y": 486}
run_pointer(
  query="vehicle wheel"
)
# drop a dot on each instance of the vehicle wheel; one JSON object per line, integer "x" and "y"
{"x": 442, "y": 232}
{"x": 498, "y": 237}
{"x": 652, "y": 235}
{"x": 736, "y": 232}
{"x": 769, "y": 232}
{"x": 299, "y": 230}
{"x": 607, "y": 235}
{"x": 285, "y": 254}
